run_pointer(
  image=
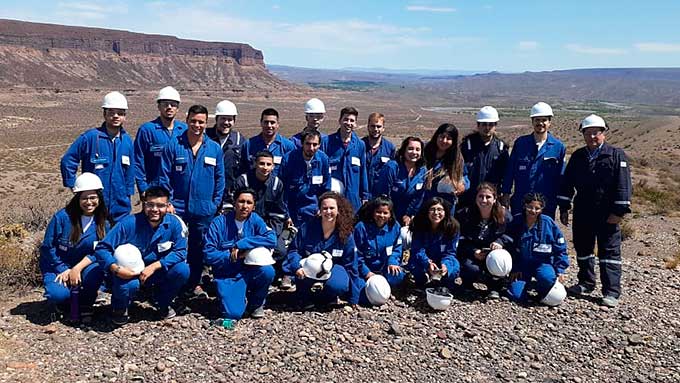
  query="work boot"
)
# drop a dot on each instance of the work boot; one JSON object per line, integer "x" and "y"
{"x": 167, "y": 313}
{"x": 609, "y": 301}
{"x": 493, "y": 295}
{"x": 258, "y": 313}
{"x": 120, "y": 317}
{"x": 579, "y": 289}
{"x": 286, "y": 283}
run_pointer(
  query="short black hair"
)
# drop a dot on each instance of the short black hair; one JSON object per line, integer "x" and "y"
{"x": 269, "y": 112}
{"x": 349, "y": 110}
{"x": 197, "y": 109}
{"x": 311, "y": 133}
{"x": 263, "y": 153}
{"x": 155, "y": 192}
{"x": 244, "y": 190}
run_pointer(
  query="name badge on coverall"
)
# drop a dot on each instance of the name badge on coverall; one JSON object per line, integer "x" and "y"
{"x": 164, "y": 246}
{"x": 356, "y": 161}
{"x": 317, "y": 180}
{"x": 277, "y": 160}
{"x": 337, "y": 253}
{"x": 125, "y": 160}
{"x": 210, "y": 161}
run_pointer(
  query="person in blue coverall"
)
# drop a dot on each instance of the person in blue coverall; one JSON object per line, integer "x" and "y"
{"x": 269, "y": 139}
{"x": 241, "y": 287}
{"x": 66, "y": 253}
{"x": 347, "y": 158}
{"x": 485, "y": 154}
{"x": 378, "y": 241}
{"x": 330, "y": 232}
{"x": 153, "y": 136}
{"x": 600, "y": 175}
{"x": 161, "y": 239}
{"x": 447, "y": 174}
{"x": 536, "y": 164}
{"x": 435, "y": 238}
{"x": 108, "y": 152}
{"x": 539, "y": 250}
{"x": 193, "y": 172}
{"x": 306, "y": 175}
{"x": 403, "y": 180}
{"x": 482, "y": 230}
{"x": 231, "y": 141}
{"x": 379, "y": 150}
{"x": 315, "y": 113}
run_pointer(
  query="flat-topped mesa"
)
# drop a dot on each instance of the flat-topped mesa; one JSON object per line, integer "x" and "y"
{"x": 51, "y": 36}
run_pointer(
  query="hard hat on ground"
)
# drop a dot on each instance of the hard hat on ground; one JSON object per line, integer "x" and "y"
{"x": 487, "y": 114}
{"x": 168, "y": 93}
{"x": 439, "y": 298}
{"x": 337, "y": 186}
{"x": 87, "y": 181}
{"x": 128, "y": 255}
{"x": 226, "y": 108}
{"x": 259, "y": 256}
{"x": 593, "y": 121}
{"x": 317, "y": 266}
{"x": 556, "y": 295}
{"x": 499, "y": 263}
{"x": 314, "y": 105}
{"x": 115, "y": 100}
{"x": 378, "y": 290}
{"x": 541, "y": 109}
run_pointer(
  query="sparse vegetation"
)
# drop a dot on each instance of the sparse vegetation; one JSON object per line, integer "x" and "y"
{"x": 672, "y": 262}
{"x": 18, "y": 257}
{"x": 627, "y": 230}
{"x": 661, "y": 201}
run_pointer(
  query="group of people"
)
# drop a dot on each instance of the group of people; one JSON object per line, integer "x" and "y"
{"x": 336, "y": 216}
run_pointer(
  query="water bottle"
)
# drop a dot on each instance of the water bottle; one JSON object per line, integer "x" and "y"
{"x": 228, "y": 324}
{"x": 75, "y": 303}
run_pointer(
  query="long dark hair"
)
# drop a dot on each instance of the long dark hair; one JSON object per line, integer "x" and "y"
{"x": 497, "y": 210}
{"x": 366, "y": 211}
{"x": 401, "y": 153}
{"x": 344, "y": 223}
{"x": 452, "y": 160}
{"x": 449, "y": 227}
{"x": 74, "y": 213}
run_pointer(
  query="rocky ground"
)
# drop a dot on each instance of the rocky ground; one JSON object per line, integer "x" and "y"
{"x": 474, "y": 341}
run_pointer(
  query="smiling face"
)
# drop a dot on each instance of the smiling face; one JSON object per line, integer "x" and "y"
{"x": 436, "y": 213}
{"x": 114, "y": 118}
{"x": 444, "y": 142}
{"x": 533, "y": 210}
{"x": 414, "y": 152}
{"x": 245, "y": 203}
{"x": 263, "y": 167}
{"x": 89, "y": 200}
{"x": 541, "y": 124}
{"x": 376, "y": 127}
{"x": 197, "y": 123}
{"x": 155, "y": 209}
{"x": 168, "y": 109}
{"x": 270, "y": 126}
{"x": 485, "y": 199}
{"x": 594, "y": 137}
{"x": 329, "y": 210}
{"x": 381, "y": 215}
{"x": 348, "y": 122}
{"x": 224, "y": 124}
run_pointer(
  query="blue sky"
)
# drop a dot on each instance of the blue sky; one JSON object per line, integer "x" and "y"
{"x": 423, "y": 34}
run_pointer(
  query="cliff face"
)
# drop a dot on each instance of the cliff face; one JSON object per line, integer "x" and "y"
{"x": 44, "y": 55}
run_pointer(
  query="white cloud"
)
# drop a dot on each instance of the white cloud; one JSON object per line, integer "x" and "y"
{"x": 425, "y": 8}
{"x": 657, "y": 47}
{"x": 527, "y": 45}
{"x": 276, "y": 7}
{"x": 584, "y": 49}
{"x": 77, "y": 12}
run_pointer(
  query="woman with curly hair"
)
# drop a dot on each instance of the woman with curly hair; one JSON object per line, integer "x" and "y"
{"x": 447, "y": 174}
{"x": 433, "y": 250}
{"x": 329, "y": 233}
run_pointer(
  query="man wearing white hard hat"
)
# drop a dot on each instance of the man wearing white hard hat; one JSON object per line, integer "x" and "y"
{"x": 161, "y": 241}
{"x": 535, "y": 164}
{"x": 600, "y": 175}
{"x": 238, "y": 245}
{"x": 230, "y": 140}
{"x": 315, "y": 112}
{"x": 108, "y": 152}
{"x": 152, "y": 137}
{"x": 485, "y": 155}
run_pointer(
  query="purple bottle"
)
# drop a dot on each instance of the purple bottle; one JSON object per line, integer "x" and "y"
{"x": 75, "y": 303}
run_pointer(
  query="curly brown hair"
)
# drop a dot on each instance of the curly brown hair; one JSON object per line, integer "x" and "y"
{"x": 344, "y": 223}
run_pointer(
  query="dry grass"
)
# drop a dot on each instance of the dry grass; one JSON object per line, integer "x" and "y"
{"x": 627, "y": 230}
{"x": 672, "y": 262}
{"x": 660, "y": 200}
{"x": 18, "y": 257}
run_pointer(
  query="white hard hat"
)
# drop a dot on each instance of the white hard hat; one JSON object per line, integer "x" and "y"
{"x": 114, "y": 100}
{"x": 317, "y": 266}
{"x": 168, "y": 93}
{"x": 438, "y": 298}
{"x": 337, "y": 186}
{"x": 378, "y": 290}
{"x": 128, "y": 255}
{"x": 593, "y": 121}
{"x": 406, "y": 237}
{"x": 541, "y": 109}
{"x": 259, "y": 256}
{"x": 314, "y": 105}
{"x": 556, "y": 295}
{"x": 487, "y": 114}
{"x": 499, "y": 263}
{"x": 87, "y": 181}
{"x": 226, "y": 108}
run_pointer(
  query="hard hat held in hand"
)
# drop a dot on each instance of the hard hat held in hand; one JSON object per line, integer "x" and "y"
{"x": 556, "y": 295}
{"x": 499, "y": 263}
{"x": 259, "y": 256}
{"x": 115, "y": 100}
{"x": 487, "y": 114}
{"x": 439, "y": 298}
{"x": 128, "y": 255}
{"x": 314, "y": 105}
{"x": 541, "y": 109}
{"x": 87, "y": 181}
{"x": 168, "y": 93}
{"x": 378, "y": 291}
{"x": 317, "y": 266}
{"x": 593, "y": 121}
{"x": 226, "y": 108}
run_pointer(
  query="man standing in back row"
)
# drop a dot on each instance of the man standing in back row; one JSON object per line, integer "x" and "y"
{"x": 230, "y": 140}
{"x": 315, "y": 112}
{"x": 379, "y": 150}
{"x": 269, "y": 139}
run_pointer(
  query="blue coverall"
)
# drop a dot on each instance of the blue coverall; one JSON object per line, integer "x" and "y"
{"x": 485, "y": 163}
{"x": 378, "y": 248}
{"x": 151, "y": 138}
{"x": 348, "y": 164}
{"x": 196, "y": 185}
{"x": 278, "y": 148}
{"x": 406, "y": 193}
{"x": 375, "y": 161}
{"x": 166, "y": 243}
{"x": 231, "y": 155}
{"x": 304, "y": 184}
{"x": 433, "y": 247}
{"x": 239, "y": 286}
{"x": 111, "y": 159}
{"x": 58, "y": 254}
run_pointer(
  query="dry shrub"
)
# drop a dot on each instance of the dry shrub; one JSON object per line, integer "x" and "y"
{"x": 662, "y": 201}
{"x": 627, "y": 230}
{"x": 672, "y": 262}
{"x": 18, "y": 257}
